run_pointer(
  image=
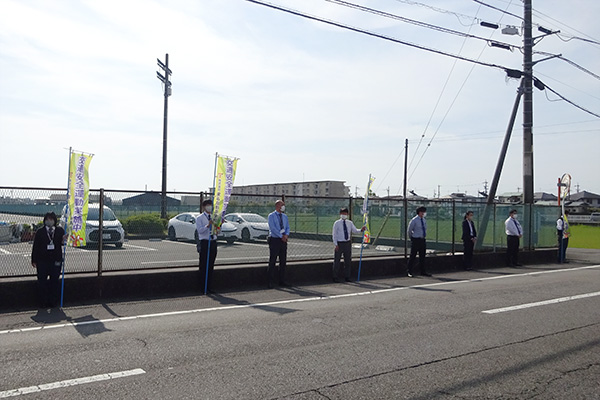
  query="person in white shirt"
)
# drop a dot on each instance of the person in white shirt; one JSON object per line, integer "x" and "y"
{"x": 342, "y": 232}
{"x": 514, "y": 232}
{"x": 562, "y": 229}
{"x": 208, "y": 254}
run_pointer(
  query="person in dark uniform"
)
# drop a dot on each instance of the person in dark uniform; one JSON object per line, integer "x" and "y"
{"x": 204, "y": 225}
{"x": 279, "y": 231}
{"x": 46, "y": 258}
{"x": 417, "y": 232}
{"x": 469, "y": 237}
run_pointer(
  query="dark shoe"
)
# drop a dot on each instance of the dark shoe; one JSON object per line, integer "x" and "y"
{"x": 565, "y": 262}
{"x": 409, "y": 275}
{"x": 518, "y": 265}
{"x": 270, "y": 285}
{"x": 348, "y": 280}
{"x": 426, "y": 274}
{"x": 468, "y": 269}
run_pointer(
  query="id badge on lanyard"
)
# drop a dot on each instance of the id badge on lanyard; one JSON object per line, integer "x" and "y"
{"x": 50, "y": 246}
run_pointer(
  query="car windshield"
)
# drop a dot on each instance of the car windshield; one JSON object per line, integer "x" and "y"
{"x": 94, "y": 214}
{"x": 253, "y": 218}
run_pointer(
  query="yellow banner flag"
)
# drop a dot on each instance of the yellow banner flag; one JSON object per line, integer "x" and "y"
{"x": 79, "y": 186}
{"x": 224, "y": 177}
{"x": 365, "y": 212}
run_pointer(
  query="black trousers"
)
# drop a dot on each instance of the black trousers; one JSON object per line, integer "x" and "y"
{"x": 345, "y": 249}
{"x": 417, "y": 245}
{"x": 563, "y": 243}
{"x": 48, "y": 273}
{"x": 202, "y": 247}
{"x": 468, "y": 253}
{"x": 512, "y": 250}
{"x": 277, "y": 249}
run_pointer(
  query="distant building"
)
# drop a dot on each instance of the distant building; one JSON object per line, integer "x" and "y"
{"x": 511, "y": 197}
{"x": 147, "y": 199}
{"x": 577, "y": 207}
{"x": 592, "y": 199}
{"x": 94, "y": 198}
{"x": 546, "y": 197}
{"x": 315, "y": 188}
{"x": 463, "y": 198}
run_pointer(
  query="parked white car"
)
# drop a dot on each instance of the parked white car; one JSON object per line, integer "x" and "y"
{"x": 112, "y": 230}
{"x": 183, "y": 226}
{"x": 249, "y": 226}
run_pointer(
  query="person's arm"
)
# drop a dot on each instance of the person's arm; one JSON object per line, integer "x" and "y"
{"x": 202, "y": 225}
{"x": 411, "y": 228}
{"x": 34, "y": 248}
{"x": 334, "y": 235}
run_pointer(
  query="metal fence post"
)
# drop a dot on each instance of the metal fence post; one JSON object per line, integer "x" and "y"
{"x": 453, "y": 224}
{"x": 494, "y": 229}
{"x": 100, "y": 231}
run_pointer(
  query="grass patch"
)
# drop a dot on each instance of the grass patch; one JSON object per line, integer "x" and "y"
{"x": 585, "y": 236}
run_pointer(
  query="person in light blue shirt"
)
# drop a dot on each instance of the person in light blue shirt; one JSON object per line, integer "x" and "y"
{"x": 417, "y": 232}
{"x": 514, "y": 232}
{"x": 279, "y": 231}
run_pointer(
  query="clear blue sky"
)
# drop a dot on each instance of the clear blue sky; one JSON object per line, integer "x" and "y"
{"x": 293, "y": 99}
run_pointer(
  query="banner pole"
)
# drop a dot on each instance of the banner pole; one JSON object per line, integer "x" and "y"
{"x": 362, "y": 244}
{"x": 211, "y": 227}
{"x": 62, "y": 284}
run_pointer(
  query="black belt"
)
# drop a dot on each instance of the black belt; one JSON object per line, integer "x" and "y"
{"x": 343, "y": 241}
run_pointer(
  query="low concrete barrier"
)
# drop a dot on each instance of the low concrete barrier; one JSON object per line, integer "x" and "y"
{"x": 19, "y": 294}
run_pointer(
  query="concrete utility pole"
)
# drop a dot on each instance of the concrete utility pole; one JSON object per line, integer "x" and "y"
{"x": 405, "y": 200}
{"x": 527, "y": 122}
{"x": 167, "y": 85}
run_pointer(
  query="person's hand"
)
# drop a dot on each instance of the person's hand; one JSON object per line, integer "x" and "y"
{"x": 520, "y": 236}
{"x": 337, "y": 248}
{"x": 363, "y": 228}
{"x": 474, "y": 239}
{"x": 210, "y": 222}
{"x": 284, "y": 238}
{"x": 34, "y": 265}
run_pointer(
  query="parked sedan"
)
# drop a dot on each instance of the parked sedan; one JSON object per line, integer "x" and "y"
{"x": 112, "y": 230}
{"x": 183, "y": 226}
{"x": 249, "y": 226}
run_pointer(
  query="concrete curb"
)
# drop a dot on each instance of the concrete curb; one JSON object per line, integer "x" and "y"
{"x": 19, "y": 294}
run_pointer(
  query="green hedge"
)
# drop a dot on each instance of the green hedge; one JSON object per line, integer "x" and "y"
{"x": 145, "y": 224}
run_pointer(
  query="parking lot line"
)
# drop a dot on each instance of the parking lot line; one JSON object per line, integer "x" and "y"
{"x": 4, "y": 251}
{"x": 70, "y": 382}
{"x": 138, "y": 247}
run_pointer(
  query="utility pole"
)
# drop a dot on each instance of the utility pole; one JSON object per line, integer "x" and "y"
{"x": 167, "y": 92}
{"x": 527, "y": 122}
{"x": 405, "y": 201}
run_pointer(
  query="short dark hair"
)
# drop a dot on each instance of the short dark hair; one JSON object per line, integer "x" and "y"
{"x": 513, "y": 211}
{"x": 206, "y": 202}
{"x": 343, "y": 210}
{"x": 421, "y": 209}
{"x": 51, "y": 215}
{"x": 467, "y": 213}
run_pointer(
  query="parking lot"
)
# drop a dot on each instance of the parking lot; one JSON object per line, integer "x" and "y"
{"x": 154, "y": 253}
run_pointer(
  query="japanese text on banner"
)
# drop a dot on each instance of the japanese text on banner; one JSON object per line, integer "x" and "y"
{"x": 79, "y": 186}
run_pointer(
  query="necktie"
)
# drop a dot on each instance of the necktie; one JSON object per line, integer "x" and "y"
{"x": 517, "y": 225}
{"x": 471, "y": 227}
{"x": 280, "y": 220}
{"x": 423, "y": 227}
{"x": 345, "y": 230}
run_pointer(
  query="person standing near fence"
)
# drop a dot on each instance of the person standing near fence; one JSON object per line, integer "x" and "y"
{"x": 46, "y": 258}
{"x": 204, "y": 224}
{"x": 342, "y": 232}
{"x": 417, "y": 232}
{"x": 514, "y": 232}
{"x": 469, "y": 237}
{"x": 562, "y": 229}
{"x": 279, "y": 231}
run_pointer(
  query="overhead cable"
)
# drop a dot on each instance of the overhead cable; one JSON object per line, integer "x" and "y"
{"x": 498, "y": 9}
{"x": 571, "y": 102}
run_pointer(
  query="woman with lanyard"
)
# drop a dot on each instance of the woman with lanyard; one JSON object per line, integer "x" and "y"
{"x": 46, "y": 258}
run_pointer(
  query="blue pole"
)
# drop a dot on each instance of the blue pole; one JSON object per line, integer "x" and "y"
{"x": 211, "y": 228}
{"x": 62, "y": 282}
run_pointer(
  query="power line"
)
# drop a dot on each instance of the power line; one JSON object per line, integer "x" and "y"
{"x": 443, "y": 11}
{"x": 568, "y": 39}
{"x": 370, "y": 33}
{"x": 567, "y": 85}
{"x": 571, "y": 102}
{"x": 559, "y": 22}
{"x": 415, "y": 22}
{"x": 498, "y": 9}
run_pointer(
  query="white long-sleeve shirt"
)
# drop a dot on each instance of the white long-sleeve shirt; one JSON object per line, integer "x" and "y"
{"x": 513, "y": 227}
{"x": 338, "y": 230}
{"x": 203, "y": 228}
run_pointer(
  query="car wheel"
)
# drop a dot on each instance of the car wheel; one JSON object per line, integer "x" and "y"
{"x": 119, "y": 245}
{"x": 245, "y": 235}
{"x": 172, "y": 233}
{"x": 230, "y": 240}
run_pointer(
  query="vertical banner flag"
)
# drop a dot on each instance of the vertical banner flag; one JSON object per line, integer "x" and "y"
{"x": 365, "y": 212}
{"x": 79, "y": 186}
{"x": 224, "y": 177}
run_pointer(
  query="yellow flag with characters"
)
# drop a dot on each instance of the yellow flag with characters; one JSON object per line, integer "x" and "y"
{"x": 79, "y": 186}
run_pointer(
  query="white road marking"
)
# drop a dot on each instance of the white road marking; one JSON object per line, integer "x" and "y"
{"x": 71, "y": 382}
{"x": 541, "y": 303}
{"x": 280, "y": 302}
{"x": 139, "y": 247}
{"x": 184, "y": 243}
{"x": 4, "y": 251}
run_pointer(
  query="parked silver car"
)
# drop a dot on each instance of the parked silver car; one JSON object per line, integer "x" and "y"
{"x": 112, "y": 230}
{"x": 249, "y": 226}
{"x": 183, "y": 226}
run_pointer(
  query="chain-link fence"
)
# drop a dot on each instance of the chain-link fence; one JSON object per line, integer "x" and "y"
{"x": 134, "y": 237}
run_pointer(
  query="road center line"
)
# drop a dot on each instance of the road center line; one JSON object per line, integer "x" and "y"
{"x": 280, "y": 302}
{"x": 541, "y": 303}
{"x": 71, "y": 382}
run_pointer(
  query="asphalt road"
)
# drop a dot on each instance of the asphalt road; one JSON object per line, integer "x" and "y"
{"x": 457, "y": 335}
{"x": 15, "y": 258}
